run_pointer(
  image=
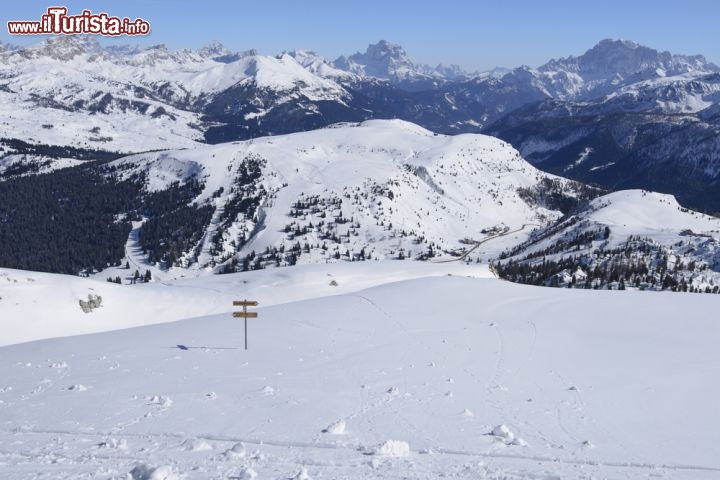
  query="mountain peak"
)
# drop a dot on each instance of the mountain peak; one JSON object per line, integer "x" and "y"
{"x": 218, "y": 52}
{"x": 160, "y": 47}
{"x": 384, "y": 60}
{"x": 65, "y": 47}
{"x": 214, "y": 49}
{"x": 385, "y": 48}
{"x": 611, "y": 57}
{"x": 609, "y": 43}
{"x": 317, "y": 64}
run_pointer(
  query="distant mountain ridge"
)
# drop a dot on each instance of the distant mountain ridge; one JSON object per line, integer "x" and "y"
{"x": 636, "y": 117}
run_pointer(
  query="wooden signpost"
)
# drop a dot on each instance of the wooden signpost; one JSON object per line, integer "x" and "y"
{"x": 245, "y": 314}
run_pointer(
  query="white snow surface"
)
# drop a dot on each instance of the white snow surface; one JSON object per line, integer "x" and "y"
{"x": 569, "y": 384}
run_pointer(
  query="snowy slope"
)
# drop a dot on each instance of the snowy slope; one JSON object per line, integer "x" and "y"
{"x": 37, "y": 305}
{"x": 388, "y": 188}
{"x": 483, "y": 379}
{"x": 647, "y": 212}
{"x": 631, "y": 228}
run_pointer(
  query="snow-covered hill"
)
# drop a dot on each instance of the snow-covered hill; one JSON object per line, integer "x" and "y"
{"x": 436, "y": 377}
{"x": 626, "y": 239}
{"x": 37, "y": 305}
{"x": 376, "y": 190}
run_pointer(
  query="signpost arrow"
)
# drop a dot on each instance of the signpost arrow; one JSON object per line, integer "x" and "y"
{"x": 245, "y": 303}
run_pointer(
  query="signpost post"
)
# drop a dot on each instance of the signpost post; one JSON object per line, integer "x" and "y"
{"x": 245, "y": 314}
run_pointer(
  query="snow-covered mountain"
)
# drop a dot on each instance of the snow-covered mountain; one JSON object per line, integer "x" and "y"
{"x": 660, "y": 136}
{"x": 376, "y": 190}
{"x": 389, "y": 61}
{"x": 637, "y": 117}
{"x": 144, "y": 99}
{"x": 613, "y": 63}
{"x": 383, "y": 60}
{"x": 318, "y": 65}
{"x": 625, "y": 116}
{"x": 382, "y": 189}
{"x": 626, "y": 239}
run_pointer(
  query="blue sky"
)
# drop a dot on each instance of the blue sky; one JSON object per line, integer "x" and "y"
{"x": 477, "y": 35}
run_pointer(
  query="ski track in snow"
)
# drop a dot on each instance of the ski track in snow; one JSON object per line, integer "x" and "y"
{"x": 170, "y": 440}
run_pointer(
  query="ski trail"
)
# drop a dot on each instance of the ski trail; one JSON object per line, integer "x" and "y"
{"x": 361, "y": 449}
{"x": 137, "y": 259}
{"x": 206, "y": 243}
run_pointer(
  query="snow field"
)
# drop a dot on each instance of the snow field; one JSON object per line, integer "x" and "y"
{"x": 442, "y": 376}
